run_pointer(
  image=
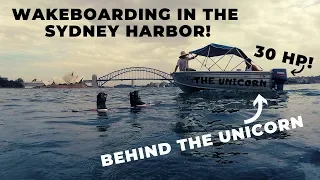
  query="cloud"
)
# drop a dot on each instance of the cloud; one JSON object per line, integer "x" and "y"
{"x": 26, "y": 52}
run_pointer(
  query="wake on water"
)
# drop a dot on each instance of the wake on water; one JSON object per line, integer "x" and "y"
{"x": 221, "y": 103}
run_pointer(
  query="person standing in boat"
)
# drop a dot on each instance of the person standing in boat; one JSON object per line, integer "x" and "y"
{"x": 183, "y": 62}
{"x": 250, "y": 66}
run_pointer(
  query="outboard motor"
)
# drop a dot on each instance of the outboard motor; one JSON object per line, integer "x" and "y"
{"x": 279, "y": 77}
{"x": 135, "y": 99}
{"x": 101, "y": 100}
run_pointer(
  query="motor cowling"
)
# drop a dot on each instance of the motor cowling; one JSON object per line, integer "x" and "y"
{"x": 279, "y": 77}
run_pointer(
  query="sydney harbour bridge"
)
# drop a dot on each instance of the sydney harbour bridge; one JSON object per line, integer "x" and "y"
{"x": 131, "y": 73}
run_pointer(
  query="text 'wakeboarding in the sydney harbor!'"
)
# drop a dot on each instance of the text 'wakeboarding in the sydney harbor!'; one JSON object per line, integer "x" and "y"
{"x": 111, "y": 30}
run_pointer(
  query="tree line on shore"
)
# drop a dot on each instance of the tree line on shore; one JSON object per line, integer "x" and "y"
{"x": 5, "y": 83}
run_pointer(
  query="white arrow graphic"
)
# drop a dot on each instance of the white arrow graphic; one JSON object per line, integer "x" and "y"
{"x": 260, "y": 100}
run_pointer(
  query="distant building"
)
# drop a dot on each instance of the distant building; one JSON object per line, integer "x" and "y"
{"x": 122, "y": 86}
{"x": 33, "y": 84}
{"x": 70, "y": 80}
{"x": 162, "y": 84}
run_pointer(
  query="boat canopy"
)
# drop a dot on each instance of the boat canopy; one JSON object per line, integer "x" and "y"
{"x": 213, "y": 50}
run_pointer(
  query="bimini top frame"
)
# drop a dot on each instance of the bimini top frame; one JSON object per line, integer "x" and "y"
{"x": 213, "y": 50}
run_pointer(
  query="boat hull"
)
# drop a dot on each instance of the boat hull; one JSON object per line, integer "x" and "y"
{"x": 193, "y": 81}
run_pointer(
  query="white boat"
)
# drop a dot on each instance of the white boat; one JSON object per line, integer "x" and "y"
{"x": 33, "y": 84}
{"x": 192, "y": 81}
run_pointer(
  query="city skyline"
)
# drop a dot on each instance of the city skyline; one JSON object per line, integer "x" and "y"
{"x": 26, "y": 53}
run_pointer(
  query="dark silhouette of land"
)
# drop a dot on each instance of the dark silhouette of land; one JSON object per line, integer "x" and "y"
{"x": 5, "y": 83}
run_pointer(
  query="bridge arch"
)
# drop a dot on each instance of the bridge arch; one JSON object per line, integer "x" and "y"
{"x": 115, "y": 75}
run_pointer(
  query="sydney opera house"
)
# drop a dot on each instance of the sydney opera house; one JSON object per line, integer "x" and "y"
{"x": 70, "y": 80}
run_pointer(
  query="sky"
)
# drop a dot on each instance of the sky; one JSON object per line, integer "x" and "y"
{"x": 285, "y": 25}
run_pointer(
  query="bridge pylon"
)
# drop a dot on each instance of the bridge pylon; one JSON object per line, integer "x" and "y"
{"x": 94, "y": 81}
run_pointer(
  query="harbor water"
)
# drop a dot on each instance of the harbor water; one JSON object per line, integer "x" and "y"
{"x": 52, "y": 134}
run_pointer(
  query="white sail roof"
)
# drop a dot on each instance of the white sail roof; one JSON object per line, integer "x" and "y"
{"x": 58, "y": 80}
{"x": 78, "y": 79}
{"x": 46, "y": 83}
{"x": 72, "y": 78}
{"x": 67, "y": 77}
